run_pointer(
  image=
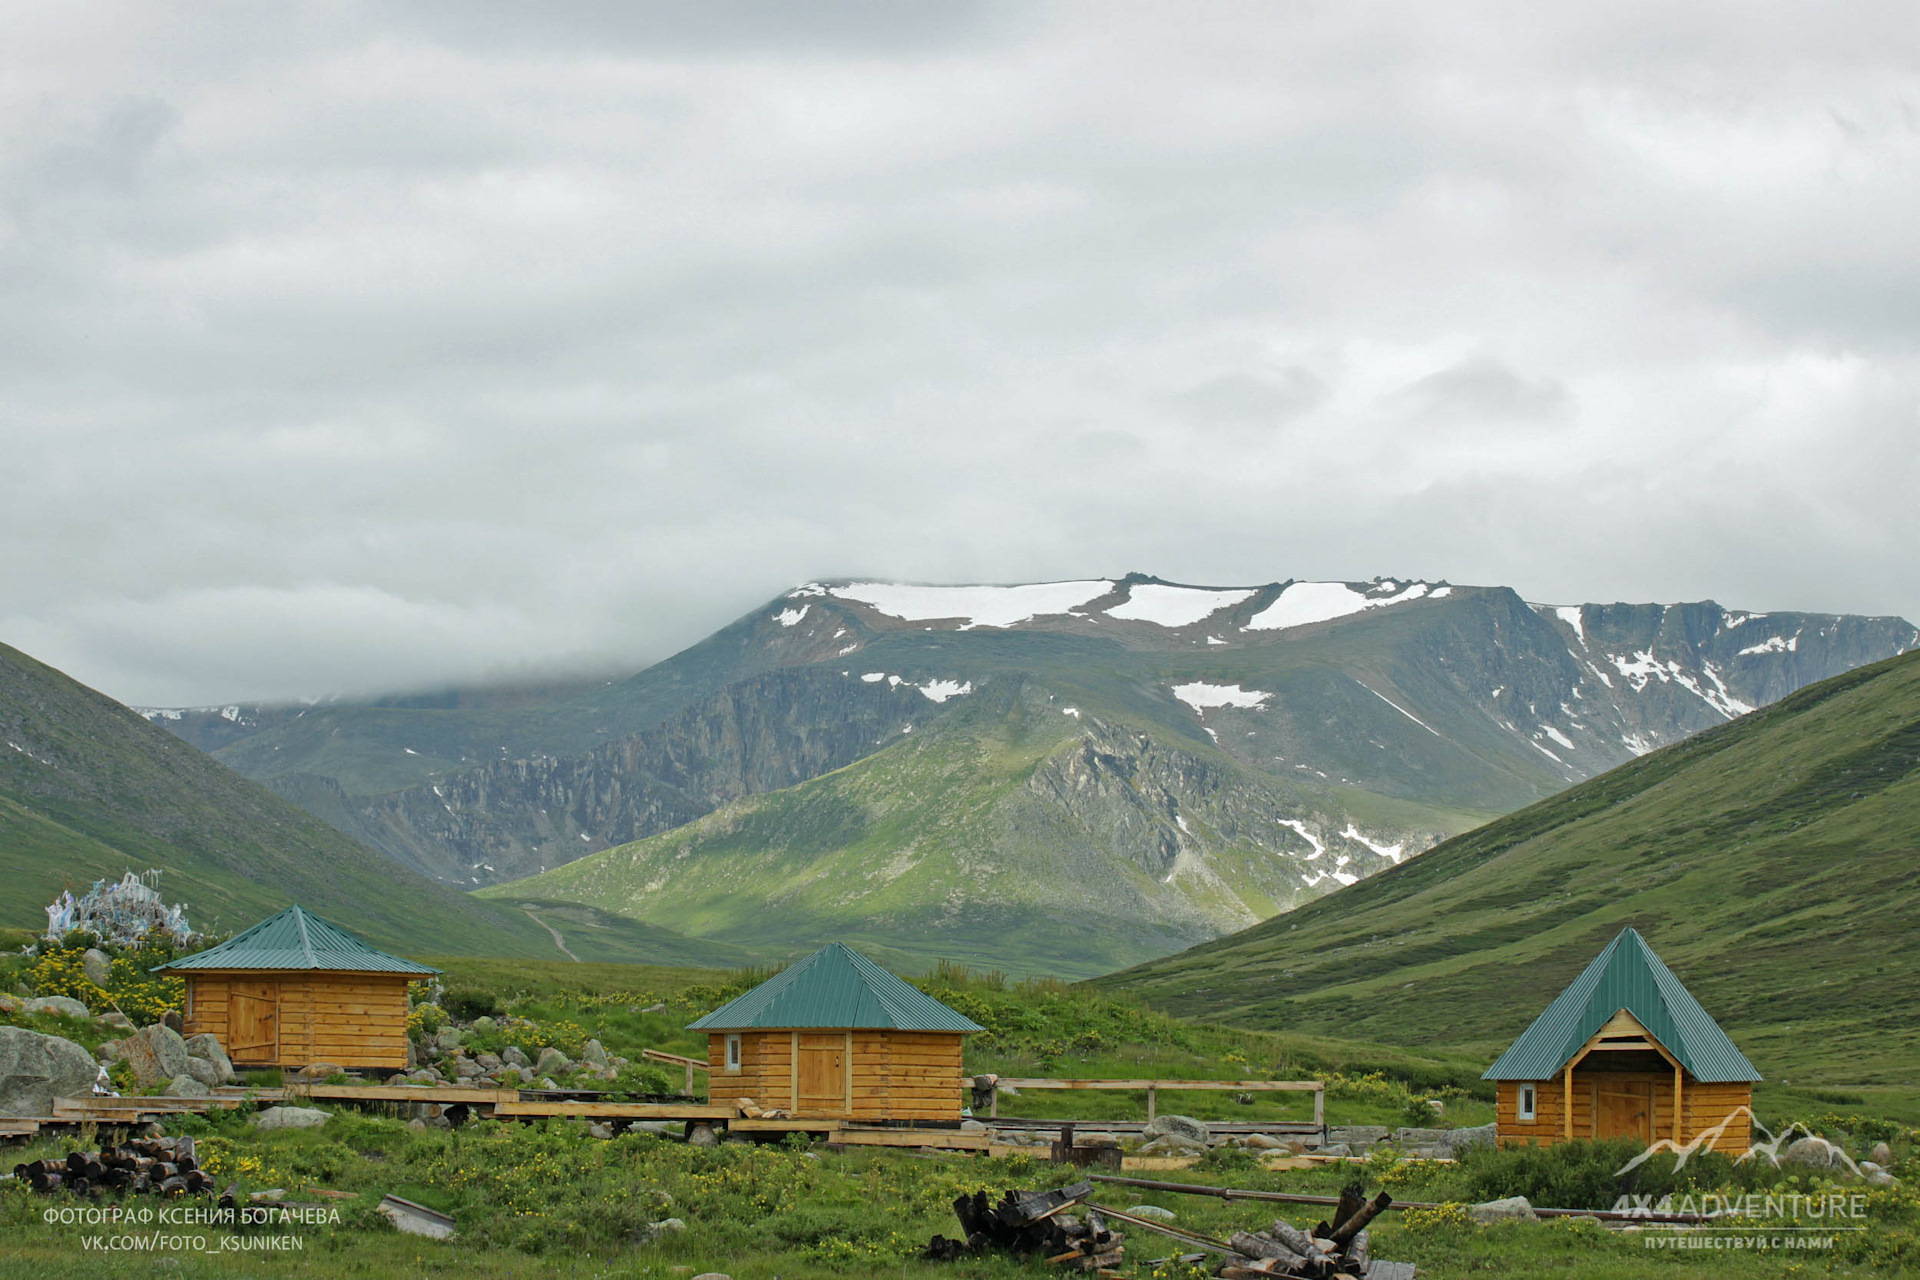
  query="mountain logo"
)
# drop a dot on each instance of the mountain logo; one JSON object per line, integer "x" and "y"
{"x": 1770, "y": 1148}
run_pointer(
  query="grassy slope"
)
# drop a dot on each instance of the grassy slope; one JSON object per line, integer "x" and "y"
{"x": 90, "y": 789}
{"x": 1770, "y": 862}
{"x": 934, "y": 847}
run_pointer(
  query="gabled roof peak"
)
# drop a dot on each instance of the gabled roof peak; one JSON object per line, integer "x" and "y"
{"x": 835, "y": 987}
{"x": 295, "y": 939}
{"x": 1627, "y": 976}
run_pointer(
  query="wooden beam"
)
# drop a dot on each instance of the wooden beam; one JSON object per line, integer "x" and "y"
{"x": 1238, "y": 1086}
{"x": 1678, "y": 1111}
{"x": 1567, "y": 1076}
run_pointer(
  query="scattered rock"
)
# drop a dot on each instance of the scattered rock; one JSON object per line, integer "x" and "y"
{"x": 595, "y": 1052}
{"x": 597, "y": 1129}
{"x": 66, "y": 1006}
{"x": 1512, "y": 1209}
{"x": 320, "y": 1071}
{"x": 713, "y": 1275}
{"x": 1817, "y": 1153}
{"x": 447, "y": 1039}
{"x": 1357, "y": 1135}
{"x": 97, "y": 965}
{"x": 1266, "y": 1142}
{"x": 1172, "y": 1144}
{"x": 654, "y": 1230}
{"x": 1337, "y": 1149}
{"x": 1182, "y": 1126}
{"x": 172, "y": 1020}
{"x": 653, "y": 1128}
{"x": 156, "y": 1054}
{"x": 1881, "y": 1178}
{"x": 291, "y": 1118}
{"x": 1459, "y": 1140}
{"x": 397, "y": 1078}
{"x": 186, "y": 1086}
{"x": 417, "y": 1125}
{"x": 701, "y": 1135}
{"x": 552, "y": 1062}
{"x": 1882, "y": 1154}
{"x": 1407, "y": 1136}
{"x": 35, "y": 1069}
{"x": 655, "y": 1008}
{"x": 466, "y": 1068}
{"x": 547, "y": 1082}
{"x": 115, "y": 1019}
{"x": 512, "y": 1056}
{"x": 489, "y": 1062}
{"x": 972, "y": 1126}
{"x": 1153, "y": 1211}
{"x": 484, "y": 1023}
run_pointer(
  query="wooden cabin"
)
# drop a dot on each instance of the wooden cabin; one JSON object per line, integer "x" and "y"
{"x": 1625, "y": 1052}
{"x": 835, "y": 1036}
{"x": 294, "y": 990}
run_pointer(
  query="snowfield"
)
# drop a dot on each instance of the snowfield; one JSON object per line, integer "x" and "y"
{"x": 975, "y": 606}
{"x": 1200, "y": 695}
{"x": 1175, "y": 606}
{"x": 1305, "y": 603}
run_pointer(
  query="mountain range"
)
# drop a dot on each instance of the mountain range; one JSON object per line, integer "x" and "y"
{"x": 1065, "y": 777}
{"x": 1773, "y": 863}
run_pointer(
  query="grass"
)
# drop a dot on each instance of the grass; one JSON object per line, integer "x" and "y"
{"x": 1769, "y": 862}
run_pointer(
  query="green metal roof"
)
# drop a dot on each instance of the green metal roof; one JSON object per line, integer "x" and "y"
{"x": 295, "y": 939}
{"x": 1627, "y": 975}
{"x": 835, "y": 987}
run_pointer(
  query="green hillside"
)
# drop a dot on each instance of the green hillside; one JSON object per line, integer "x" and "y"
{"x": 1016, "y": 832}
{"x": 90, "y": 789}
{"x": 1774, "y": 863}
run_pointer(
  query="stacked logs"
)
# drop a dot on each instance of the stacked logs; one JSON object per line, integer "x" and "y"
{"x": 1034, "y": 1223}
{"x": 1337, "y": 1249}
{"x": 157, "y": 1166}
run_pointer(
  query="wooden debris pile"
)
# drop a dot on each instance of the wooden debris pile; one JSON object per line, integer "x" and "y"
{"x": 1034, "y": 1223}
{"x": 1336, "y": 1249}
{"x": 158, "y": 1166}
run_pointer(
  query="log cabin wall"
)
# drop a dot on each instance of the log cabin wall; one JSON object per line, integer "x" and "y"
{"x": 877, "y": 1074}
{"x": 296, "y": 1018}
{"x": 1703, "y": 1106}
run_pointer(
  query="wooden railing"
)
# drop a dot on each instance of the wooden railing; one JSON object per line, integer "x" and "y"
{"x": 1316, "y": 1087}
{"x": 673, "y": 1059}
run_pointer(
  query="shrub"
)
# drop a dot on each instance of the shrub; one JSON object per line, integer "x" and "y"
{"x": 467, "y": 1003}
{"x": 1568, "y": 1175}
{"x": 1440, "y": 1220}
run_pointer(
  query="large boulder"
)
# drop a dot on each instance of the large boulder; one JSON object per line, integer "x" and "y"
{"x": 552, "y": 1063}
{"x": 35, "y": 1069}
{"x": 66, "y": 1006}
{"x": 1512, "y": 1209}
{"x": 207, "y": 1046}
{"x": 157, "y": 1054}
{"x": 594, "y": 1053}
{"x": 1461, "y": 1140}
{"x": 1813, "y": 1152}
{"x": 185, "y": 1086}
{"x": 205, "y": 1072}
{"x": 513, "y": 1057}
{"x": 1183, "y": 1126}
{"x": 98, "y": 966}
{"x": 291, "y": 1118}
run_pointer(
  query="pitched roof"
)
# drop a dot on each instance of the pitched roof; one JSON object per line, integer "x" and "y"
{"x": 836, "y": 986}
{"x": 1627, "y": 975}
{"x": 295, "y": 939}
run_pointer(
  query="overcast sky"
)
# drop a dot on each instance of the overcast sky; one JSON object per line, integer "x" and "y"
{"x": 350, "y": 347}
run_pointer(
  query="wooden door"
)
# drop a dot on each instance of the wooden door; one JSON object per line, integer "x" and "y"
{"x": 1625, "y": 1110}
{"x": 822, "y": 1071}
{"x": 253, "y": 1022}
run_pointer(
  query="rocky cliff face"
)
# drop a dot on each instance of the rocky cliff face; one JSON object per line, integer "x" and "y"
{"x": 512, "y": 818}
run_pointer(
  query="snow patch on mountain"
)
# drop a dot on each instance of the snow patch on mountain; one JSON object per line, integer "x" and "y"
{"x": 976, "y": 606}
{"x": 1170, "y": 606}
{"x": 1773, "y": 644}
{"x": 1200, "y": 695}
{"x": 791, "y": 617}
{"x": 941, "y": 690}
{"x": 1304, "y": 603}
{"x": 1299, "y": 828}
{"x": 1393, "y": 852}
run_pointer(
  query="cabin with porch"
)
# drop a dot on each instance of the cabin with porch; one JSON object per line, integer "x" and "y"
{"x": 295, "y": 990}
{"x": 1625, "y": 1052}
{"x": 835, "y": 1036}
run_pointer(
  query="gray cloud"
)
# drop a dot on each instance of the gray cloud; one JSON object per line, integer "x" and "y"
{"x": 369, "y": 346}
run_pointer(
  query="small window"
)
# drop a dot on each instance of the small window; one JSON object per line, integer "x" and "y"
{"x": 733, "y": 1053}
{"x": 1527, "y": 1100}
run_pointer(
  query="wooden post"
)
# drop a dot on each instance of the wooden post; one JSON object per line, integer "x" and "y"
{"x": 1150, "y": 1101}
{"x": 1678, "y": 1136}
{"x": 794, "y": 1065}
{"x": 1320, "y": 1110}
{"x": 993, "y": 1104}
{"x": 846, "y": 1061}
{"x": 689, "y": 1088}
{"x": 1567, "y": 1076}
